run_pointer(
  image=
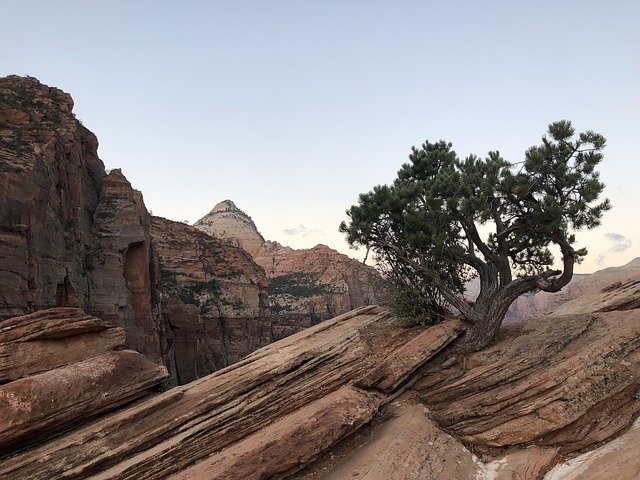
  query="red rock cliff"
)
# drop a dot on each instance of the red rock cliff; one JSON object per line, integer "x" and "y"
{"x": 73, "y": 235}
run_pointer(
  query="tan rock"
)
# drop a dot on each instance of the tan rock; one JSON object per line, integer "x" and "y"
{"x": 49, "y": 324}
{"x": 227, "y": 221}
{"x": 524, "y": 464}
{"x": 37, "y": 405}
{"x": 405, "y": 360}
{"x": 557, "y": 381}
{"x": 291, "y": 441}
{"x": 408, "y": 446}
{"x": 307, "y": 286}
{"x": 52, "y": 338}
{"x": 613, "y": 288}
{"x": 166, "y": 434}
{"x": 617, "y": 460}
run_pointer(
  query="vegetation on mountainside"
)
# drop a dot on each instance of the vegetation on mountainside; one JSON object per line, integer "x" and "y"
{"x": 427, "y": 228}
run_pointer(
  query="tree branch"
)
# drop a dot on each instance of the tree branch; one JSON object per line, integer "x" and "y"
{"x": 454, "y": 299}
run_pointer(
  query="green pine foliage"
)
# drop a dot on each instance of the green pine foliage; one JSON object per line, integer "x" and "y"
{"x": 425, "y": 228}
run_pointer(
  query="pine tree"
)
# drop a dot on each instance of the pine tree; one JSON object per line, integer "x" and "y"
{"x": 426, "y": 228}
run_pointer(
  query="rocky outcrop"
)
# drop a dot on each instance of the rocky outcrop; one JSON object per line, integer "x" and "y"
{"x": 244, "y": 418}
{"x": 585, "y": 293}
{"x": 302, "y": 398}
{"x": 228, "y": 222}
{"x": 61, "y": 368}
{"x": 214, "y": 298}
{"x": 306, "y": 286}
{"x": 52, "y": 338}
{"x": 70, "y": 235}
{"x": 559, "y": 381}
{"x": 50, "y": 181}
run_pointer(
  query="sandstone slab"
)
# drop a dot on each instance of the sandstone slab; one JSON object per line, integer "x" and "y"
{"x": 38, "y": 405}
{"x": 617, "y": 460}
{"x": 52, "y": 338}
{"x": 558, "y": 381}
{"x": 291, "y": 441}
{"x": 405, "y": 360}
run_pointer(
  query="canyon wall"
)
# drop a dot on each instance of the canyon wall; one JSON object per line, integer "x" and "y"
{"x": 72, "y": 235}
{"x": 306, "y": 286}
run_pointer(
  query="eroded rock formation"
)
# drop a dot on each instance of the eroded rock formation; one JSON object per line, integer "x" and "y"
{"x": 306, "y": 286}
{"x": 213, "y": 296}
{"x": 60, "y": 367}
{"x": 74, "y": 235}
{"x": 549, "y": 388}
{"x": 70, "y": 235}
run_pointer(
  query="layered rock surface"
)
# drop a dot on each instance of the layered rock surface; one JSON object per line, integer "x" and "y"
{"x": 61, "y": 368}
{"x": 310, "y": 395}
{"x": 242, "y": 419}
{"x": 585, "y": 293}
{"x": 307, "y": 286}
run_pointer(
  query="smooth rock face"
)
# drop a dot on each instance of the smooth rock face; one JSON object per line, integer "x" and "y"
{"x": 306, "y": 286}
{"x": 407, "y": 446}
{"x": 617, "y": 460}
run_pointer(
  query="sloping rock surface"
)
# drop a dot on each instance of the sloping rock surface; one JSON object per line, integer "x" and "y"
{"x": 61, "y": 369}
{"x": 55, "y": 399}
{"x": 617, "y": 460}
{"x": 585, "y": 294}
{"x": 52, "y": 338}
{"x": 293, "y": 401}
{"x": 558, "y": 381}
{"x": 198, "y": 425}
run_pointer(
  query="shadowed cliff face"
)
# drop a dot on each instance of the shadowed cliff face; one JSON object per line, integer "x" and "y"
{"x": 70, "y": 235}
{"x": 73, "y": 235}
{"x": 213, "y": 296}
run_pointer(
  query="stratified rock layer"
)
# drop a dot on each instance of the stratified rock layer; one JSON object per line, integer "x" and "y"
{"x": 567, "y": 381}
{"x": 273, "y": 412}
{"x": 214, "y": 297}
{"x": 307, "y": 286}
{"x": 203, "y": 421}
{"x": 61, "y": 369}
{"x": 52, "y": 338}
{"x": 70, "y": 235}
{"x": 73, "y": 235}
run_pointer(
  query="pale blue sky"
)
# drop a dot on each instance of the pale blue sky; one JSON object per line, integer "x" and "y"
{"x": 292, "y": 108}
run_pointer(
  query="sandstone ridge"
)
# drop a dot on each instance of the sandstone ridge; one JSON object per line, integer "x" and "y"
{"x": 347, "y": 398}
